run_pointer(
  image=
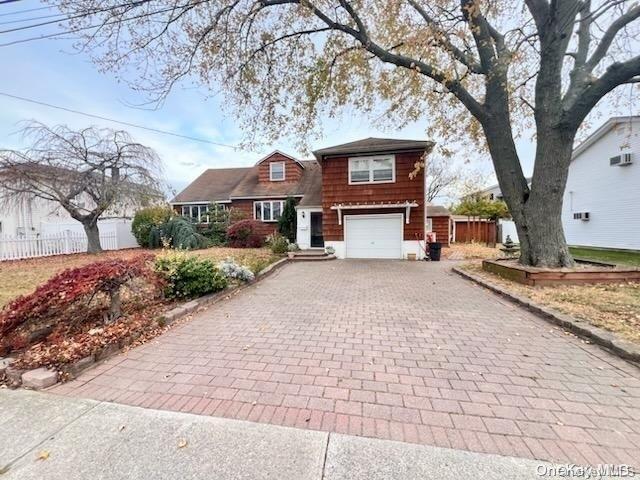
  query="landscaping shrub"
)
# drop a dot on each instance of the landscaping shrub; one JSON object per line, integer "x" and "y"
{"x": 76, "y": 294}
{"x": 287, "y": 224}
{"x": 244, "y": 234}
{"x": 219, "y": 221}
{"x": 188, "y": 276}
{"x": 146, "y": 219}
{"x": 178, "y": 232}
{"x": 239, "y": 272}
{"x": 278, "y": 244}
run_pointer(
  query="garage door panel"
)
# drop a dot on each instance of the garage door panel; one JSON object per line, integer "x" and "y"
{"x": 374, "y": 237}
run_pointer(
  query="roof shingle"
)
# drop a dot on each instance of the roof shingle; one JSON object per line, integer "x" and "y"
{"x": 213, "y": 185}
{"x": 373, "y": 145}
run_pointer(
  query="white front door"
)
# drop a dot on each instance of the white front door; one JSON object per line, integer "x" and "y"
{"x": 373, "y": 236}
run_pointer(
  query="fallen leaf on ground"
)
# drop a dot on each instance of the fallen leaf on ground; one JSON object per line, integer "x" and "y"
{"x": 43, "y": 455}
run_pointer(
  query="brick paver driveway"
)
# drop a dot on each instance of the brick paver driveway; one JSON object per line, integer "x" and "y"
{"x": 400, "y": 350}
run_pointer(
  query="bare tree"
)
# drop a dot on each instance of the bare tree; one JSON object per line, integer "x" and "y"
{"x": 479, "y": 68}
{"x": 442, "y": 177}
{"x": 86, "y": 172}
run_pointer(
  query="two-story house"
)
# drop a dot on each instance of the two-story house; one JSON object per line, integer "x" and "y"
{"x": 358, "y": 198}
{"x": 600, "y": 205}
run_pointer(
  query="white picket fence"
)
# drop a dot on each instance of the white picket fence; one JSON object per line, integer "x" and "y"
{"x": 62, "y": 243}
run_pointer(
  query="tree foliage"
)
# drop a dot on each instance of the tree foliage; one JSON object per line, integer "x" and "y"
{"x": 479, "y": 69}
{"x": 86, "y": 172}
{"x": 219, "y": 221}
{"x": 288, "y": 221}
{"x": 146, "y": 219}
{"x": 479, "y": 206}
{"x": 178, "y": 232}
{"x": 73, "y": 294}
{"x": 245, "y": 234}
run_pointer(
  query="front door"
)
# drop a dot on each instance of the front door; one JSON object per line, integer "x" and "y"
{"x": 316, "y": 230}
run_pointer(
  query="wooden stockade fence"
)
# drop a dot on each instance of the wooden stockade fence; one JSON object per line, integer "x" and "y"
{"x": 63, "y": 243}
{"x": 472, "y": 229}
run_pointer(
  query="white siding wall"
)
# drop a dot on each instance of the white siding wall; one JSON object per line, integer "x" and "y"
{"x": 610, "y": 194}
{"x": 35, "y": 216}
{"x": 303, "y": 233}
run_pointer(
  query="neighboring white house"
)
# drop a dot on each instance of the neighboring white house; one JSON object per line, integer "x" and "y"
{"x": 494, "y": 193}
{"x": 28, "y": 216}
{"x": 35, "y": 216}
{"x": 601, "y": 205}
{"x": 602, "y": 199}
{"x": 35, "y": 227}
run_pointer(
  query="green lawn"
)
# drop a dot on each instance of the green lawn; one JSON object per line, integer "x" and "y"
{"x": 609, "y": 256}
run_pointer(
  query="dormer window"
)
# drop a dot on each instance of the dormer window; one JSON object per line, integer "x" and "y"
{"x": 276, "y": 171}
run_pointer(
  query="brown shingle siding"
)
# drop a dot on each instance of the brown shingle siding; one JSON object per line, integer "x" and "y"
{"x": 336, "y": 190}
{"x": 440, "y": 225}
{"x": 292, "y": 173}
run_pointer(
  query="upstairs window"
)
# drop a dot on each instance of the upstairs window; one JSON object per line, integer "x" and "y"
{"x": 380, "y": 169}
{"x": 276, "y": 171}
{"x": 268, "y": 211}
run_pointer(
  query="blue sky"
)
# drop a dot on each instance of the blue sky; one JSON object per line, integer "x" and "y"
{"x": 49, "y": 71}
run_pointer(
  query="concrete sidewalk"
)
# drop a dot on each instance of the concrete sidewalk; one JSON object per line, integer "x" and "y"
{"x": 86, "y": 439}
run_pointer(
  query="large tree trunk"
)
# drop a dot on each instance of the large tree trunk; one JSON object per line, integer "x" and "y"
{"x": 536, "y": 211}
{"x": 93, "y": 236}
{"x": 543, "y": 243}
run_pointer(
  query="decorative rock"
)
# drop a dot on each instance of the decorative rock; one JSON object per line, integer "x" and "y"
{"x": 79, "y": 365}
{"x": 14, "y": 375}
{"x": 4, "y": 363}
{"x": 39, "y": 378}
{"x": 107, "y": 351}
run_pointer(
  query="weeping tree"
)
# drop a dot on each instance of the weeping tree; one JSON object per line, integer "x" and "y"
{"x": 86, "y": 172}
{"x": 481, "y": 69}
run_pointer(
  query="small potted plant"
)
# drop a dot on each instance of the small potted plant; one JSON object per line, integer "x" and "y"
{"x": 329, "y": 250}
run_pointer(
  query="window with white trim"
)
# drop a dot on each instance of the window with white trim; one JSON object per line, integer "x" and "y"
{"x": 268, "y": 210}
{"x": 379, "y": 169}
{"x": 199, "y": 213}
{"x": 276, "y": 171}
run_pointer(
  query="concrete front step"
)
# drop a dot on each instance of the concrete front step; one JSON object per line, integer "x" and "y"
{"x": 312, "y": 258}
{"x": 310, "y": 252}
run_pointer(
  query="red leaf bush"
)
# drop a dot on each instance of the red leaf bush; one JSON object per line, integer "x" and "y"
{"x": 74, "y": 295}
{"x": 244, "y": 234}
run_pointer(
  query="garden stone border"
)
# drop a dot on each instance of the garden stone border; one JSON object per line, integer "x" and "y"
{"x": 23, "y": 378}
{"x": 622, "y": 348}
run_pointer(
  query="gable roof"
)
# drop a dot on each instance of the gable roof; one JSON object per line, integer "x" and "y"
{"x": 601, "y": 132}
{"x": 213, "y": 185}
{"x": 225, "y": 184}
{"x": 250, "y": 185}
{"x": 373, "y": 145}
{"x": 278, "y": 152}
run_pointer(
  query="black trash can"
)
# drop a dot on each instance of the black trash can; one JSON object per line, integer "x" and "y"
{"x": 434, "y": 251}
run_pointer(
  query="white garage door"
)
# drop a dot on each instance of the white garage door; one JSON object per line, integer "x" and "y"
{"x": 373, "y": 236}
